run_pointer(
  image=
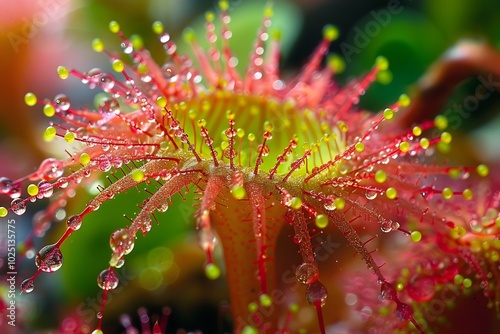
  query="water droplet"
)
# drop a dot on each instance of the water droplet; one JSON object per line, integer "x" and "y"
{"x": 207, "y": 239}
{"x": 74, "y": 222}
{"x": 120, "y": 262}
{"x": 51, "y": 169}
{"x": 18, "y": 206}
{"x": 107, "y": 279}
{"x": 307, "y": 273}
{"x": 387, "y": 291}
{"x": 109, "y": 106}
{"x": 5, "y": 185}
{"x": 61, "y": 102}
{"x": 386, "y": 226}
{"x": 121, "y": 241}
{"x": 27, "y": 285}
{"x": 45, "y": 189}
{"x": 329, "y": 203}
{"x": 371, "y": 194}
{"x": 49, "y": 258}
{"x": 421, "y": 288}
{"x": 106, "y": 82}
{"x": 316, "y": 293}
{"x": 99, "y": 315}
{"x": 163, "y": 207}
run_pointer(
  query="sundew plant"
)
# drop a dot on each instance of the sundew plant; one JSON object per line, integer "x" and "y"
{"x": 274, "y": 166}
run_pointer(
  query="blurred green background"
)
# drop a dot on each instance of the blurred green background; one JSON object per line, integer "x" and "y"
{"x": 166, "y": 266}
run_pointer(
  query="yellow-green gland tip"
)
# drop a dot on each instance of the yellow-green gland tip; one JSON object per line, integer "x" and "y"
{"x": 330, "y": 33}
{"x": 49, "y": 110}
{"x": 483, "y": 170}
{"x": 416, "y": 236}
{"x": 118, "y": 65}
{"x": 249, "y": 330}
{"x": 84, "y": 158}
{"x": 30, "y": 99}
{"x": 97, "y": 45}
{"x": 336, "y": 63}
{"x": 137, "y": 42}
{"x": 212, "y": 271}
{"x": 157, "y": 27}
{"x": 388, "y": 113}
{"x": 321, "y": 221}
{"x": 382, "y": 63}
{"x": 137, "y": 175}
{"x": 114, "y": 27}
{"x": 32, "y": 190}
{"x": 62, "y": 72}
{"x": 265, "y": 300}
{"x": 3, "y": 211}
{"x": 441, "y": 122}
{"x": 404, "y": 100}
{"x": 189, "y": 35}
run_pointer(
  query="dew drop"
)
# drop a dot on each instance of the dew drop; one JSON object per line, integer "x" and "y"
{"x": 121, "y": 241}
{"x": 371, "y": 195}
{"x": 18, "y": 206}
{"x": 207, "y": 239}
{"x": 61, "y": 102}
{"x": 74, "y": 222}
{"x": 316, "y": 293}
{"x": 45, "y": 189}
{"x": 307, "y": 273}
{"x": 107, "y": 279}
{"x": 5, "y": 185}
{"x": 99, "y": 315}
{"x": 27, "y": 285}
{"x": 387, "y": 291}
{"x": 109, "y": 106}
{"x": 49, "y": 258}
{"x": 421, "y": 288}
{"x": 386, "y": 226}
{"x": 51, "y": 169}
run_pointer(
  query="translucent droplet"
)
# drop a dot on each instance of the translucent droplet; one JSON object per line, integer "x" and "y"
{"x": 74, "y": 222}
{"x": 49, "y": 258}
{"x": 106, "y": 82}
{"x": 121, "y": 241}
{"x": 5, "y": 185}
{"x": 386, "y": 226}
{"x": 109, "y": 106}
{"x": 421, "y": 288}
{"x": 329, "y": 203}
{"x": 27, "y": 285}
{"x": 61, "y": 102}
{"x": 316, "y": 293}
{"x": 107, "y": 279}
{"x": 307, "y": 273}
{"x": 51, "y": 169}
{"x": 207, "y": 239}
{"x": 18, "y": 206}
{"x": 387, "y": 291}
{"x": 163, "y": 207}
{"x": 120, "y": 262}
{"x": 371, "y": 195}
{"x": 45, "y": 189}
